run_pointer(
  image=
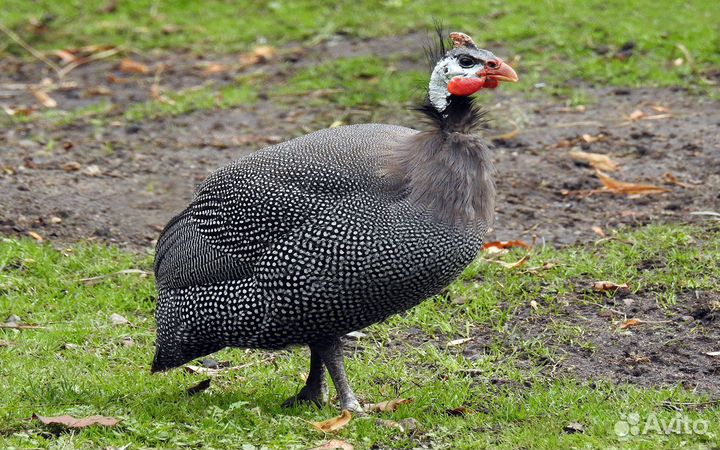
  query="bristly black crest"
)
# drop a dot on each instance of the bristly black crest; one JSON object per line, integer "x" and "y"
{"x": 435, "y": 47}
{"x": 462, "y": 114}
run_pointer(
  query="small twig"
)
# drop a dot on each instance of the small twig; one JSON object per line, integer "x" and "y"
{"x": 121, "y": 272}
{"x": 94, "y": 57}
{"x": 18, "y": 40}
{"x": 21, "y": 326}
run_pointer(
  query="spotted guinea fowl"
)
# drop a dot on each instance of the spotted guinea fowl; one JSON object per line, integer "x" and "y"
{"x": 307, "y": 240}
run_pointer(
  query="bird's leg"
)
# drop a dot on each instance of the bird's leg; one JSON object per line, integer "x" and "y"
{"x": 331, "y": 354}
{"x": 316, "y": 388}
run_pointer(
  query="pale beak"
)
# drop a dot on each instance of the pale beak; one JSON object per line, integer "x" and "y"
{"x": 501, "y": 71}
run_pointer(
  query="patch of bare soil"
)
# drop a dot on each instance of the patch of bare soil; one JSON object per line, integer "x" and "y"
{"x": 666, "y": 347}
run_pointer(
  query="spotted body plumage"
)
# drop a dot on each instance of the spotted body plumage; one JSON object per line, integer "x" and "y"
{"x": 307, "y": 240}
{"x": 300, "y": 241}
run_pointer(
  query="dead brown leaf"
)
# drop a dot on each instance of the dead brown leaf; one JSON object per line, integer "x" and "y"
{"x": 334, "y": 444}
{"x": 333, "y": 424}
{"x": 128, "y": 65}
{"x": 622, "y": 187}
{"x": 589, "y": 138}
{"x": 609, "y": 286}
{"x": 388, "y": 406}
{"x": 514, "y": 265}
{"x": 636, "y": 115}
{"x": 456, "y": 342}
{"x": 117, "y": 319}
{"x": 116, "y": 80}
{"x": 43, "y": 98}
{"x": 214, "y": 68}
{"x": 35, "y": 236}
{"x": 669, "y": 178}
{"x": 597, "y": 230}
{"x": 595, "y": 160}
{"x": 259, "y": 55}
{"x": 505, "y": 244}
{"x": 71, "y": 166}
{"x": 630, "y": 323}
{"x": 72, "y": 422}
{"x": 97, "y": 90}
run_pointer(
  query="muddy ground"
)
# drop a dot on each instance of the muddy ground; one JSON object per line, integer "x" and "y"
{"x": 119, "y": 182}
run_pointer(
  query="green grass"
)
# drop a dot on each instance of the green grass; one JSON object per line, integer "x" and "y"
{"x": 188, "y": 100}
{"x": 42, "y": 375}
{"x": 556, "y": 40}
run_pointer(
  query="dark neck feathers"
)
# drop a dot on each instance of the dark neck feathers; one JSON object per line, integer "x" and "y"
{"x": 447, "y": 169}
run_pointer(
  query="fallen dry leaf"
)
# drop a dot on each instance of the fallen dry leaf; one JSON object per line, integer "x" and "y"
{"x": 92, "y": 170}
{"x": 97, "y": 90}
{"x": 595, "y": 160}
{"x": 636, "y": 115}
{"x": 214, "y": 68}
{"x": 333, "y": 424}
{"x": 259, "y": 55}
{"x": 35, "y": 236}
{"x": 44, "y": 98}
{"x": 71, "y": 166}
{"x": 334, "y": 444}
{"x": 455, "y": 342}
{"x": 574, "y": 427}
{"x": 514, "y": 265}
{"x": 630, "y": 323}
{"x": 597, "y": 230}
{"x": 66, "y": 57}
{"x": 388, "y": 406}
{"x": 589, "y": 138}
{"x": 128, "y": 65}
{"x": 622, "y": 187}
{"x": 672, "y": 179}
{"x": 505, "y": 244}
{"x": 72, "y": 422}
{"x": 117, "y": 319}
{"x": 609, "y": 286}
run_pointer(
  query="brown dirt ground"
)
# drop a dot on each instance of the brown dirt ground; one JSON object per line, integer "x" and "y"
{"x": 148, "y": 170}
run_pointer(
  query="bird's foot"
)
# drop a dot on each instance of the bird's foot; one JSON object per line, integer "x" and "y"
{"x": 353, "y": 405}
{"x": 317, "y": 396}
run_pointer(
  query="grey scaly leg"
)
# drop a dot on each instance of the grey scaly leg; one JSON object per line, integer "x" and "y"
{"x": 331, "y": 354}
{"x": 316, "y": 389}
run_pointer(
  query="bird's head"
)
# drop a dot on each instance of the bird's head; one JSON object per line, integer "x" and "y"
{"x": 464, "y": 70}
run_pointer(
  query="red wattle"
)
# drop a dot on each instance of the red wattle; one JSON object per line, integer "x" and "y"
{"x": 465, "y": 86}
{"x": 491, "y": 83}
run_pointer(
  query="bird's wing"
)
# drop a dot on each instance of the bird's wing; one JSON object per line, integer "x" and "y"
{"x": 247, "y": 207}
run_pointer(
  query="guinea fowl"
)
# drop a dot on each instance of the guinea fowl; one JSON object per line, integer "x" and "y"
{"x": 305, "y": 241}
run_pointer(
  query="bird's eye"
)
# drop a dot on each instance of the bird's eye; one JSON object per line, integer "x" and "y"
{"x": 466, "y": 62}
